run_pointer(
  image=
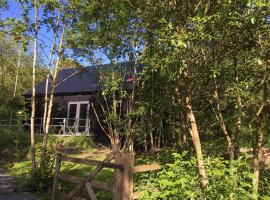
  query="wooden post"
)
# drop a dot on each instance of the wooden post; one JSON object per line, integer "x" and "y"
{"x": 118, "y": 179}
{"x": 128, "y": 161}
{"x": 123, "y": 180}
{"x": 57, "y": 172}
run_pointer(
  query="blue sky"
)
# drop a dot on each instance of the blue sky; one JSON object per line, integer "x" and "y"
{"x": 44, "y": 38}
{"x": 14, "y": 11}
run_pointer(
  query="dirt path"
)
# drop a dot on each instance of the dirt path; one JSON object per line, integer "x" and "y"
{"x": 8, "y": 189}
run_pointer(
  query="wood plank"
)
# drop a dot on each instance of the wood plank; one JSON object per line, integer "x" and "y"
{"x": 117, "y": 192}
{"x": 88, "y": 178}
{"x": 70, "y": 178}
{"x": 102, "y": 185}
{"x": 61, "y": 195}
{"x": 125, "y": 188}
{"x": 146, "y": 168}
{"x": 92, "y": 162}
{"x": 96, "y": 184}
{"x": 90, "y": 191}
{"x": 55, "y": 189}
{"x": 128, "y": 160}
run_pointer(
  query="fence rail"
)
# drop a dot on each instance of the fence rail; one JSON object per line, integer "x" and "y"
{"x": 122, "y": 186}
{"x": 87, "y": 182}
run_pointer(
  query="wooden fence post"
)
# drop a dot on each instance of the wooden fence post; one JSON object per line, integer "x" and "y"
{"x": 128, "y": 161}
{"x": 57, "y": 172}
{"x": 118, "y": 179}
{"x": 123, "y": 179}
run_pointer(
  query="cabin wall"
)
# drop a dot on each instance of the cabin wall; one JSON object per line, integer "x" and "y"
{"x": 60, "y": 109}
{"x": 60, "y": 105}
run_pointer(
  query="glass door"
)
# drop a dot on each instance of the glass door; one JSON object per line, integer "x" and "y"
{"x": 71, "y": 118}
{"x": 78, "y": 117}
{"x": 83, "y": 116}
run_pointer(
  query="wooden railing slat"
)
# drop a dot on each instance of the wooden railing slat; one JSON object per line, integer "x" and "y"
{"x": 122, "y": 188}
{"x": 55, "y": 189}
{"x": 145, "y": 168}
{"x": 92, "y": 162}
{"x": 96, "y": 184}
{"x": 88, "y": 178}
{"x": 61, "y": 195}
{"x": 90, "y": 191}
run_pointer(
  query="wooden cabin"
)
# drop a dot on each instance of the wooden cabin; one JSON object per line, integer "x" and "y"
{"x": 75, "y": 92}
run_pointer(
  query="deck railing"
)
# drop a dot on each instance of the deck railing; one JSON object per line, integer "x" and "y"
{"x": 61, "y": 126}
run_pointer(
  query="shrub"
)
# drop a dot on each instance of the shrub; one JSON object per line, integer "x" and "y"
{"x": 42, "y": 179}
{"x": 75, "y": 142}
{"x": 14, "y": 143}
{"x": 180, "y": 180}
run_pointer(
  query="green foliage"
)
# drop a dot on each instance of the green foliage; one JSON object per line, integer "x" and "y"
{"x": 14, "y": 143}
{"x": 42, "y": 179}
{"x": 179, "y": 180}
{"x": 11, "y": 106}
{"x": 78, "y": 143}
{"x": 216, "y": 54}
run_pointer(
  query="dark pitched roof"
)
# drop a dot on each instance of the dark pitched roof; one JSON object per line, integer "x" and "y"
{"x": 78, "y": 81}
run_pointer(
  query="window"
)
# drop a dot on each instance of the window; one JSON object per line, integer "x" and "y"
{"x": 78, "y": 116}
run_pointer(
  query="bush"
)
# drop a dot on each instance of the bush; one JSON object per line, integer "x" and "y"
{"x": 43, "y": 177}
{"x": 180, "y": 180}
{"x": 77, "y": 143}
{"x": 14, "y": 143}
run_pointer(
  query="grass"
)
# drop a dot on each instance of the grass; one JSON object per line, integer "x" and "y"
{"x": 15, "y": 157}
{"x": 79, "y": 146}
{"x": 80, "y": 170}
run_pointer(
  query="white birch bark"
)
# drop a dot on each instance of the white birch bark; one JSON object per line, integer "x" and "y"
{"x": 48, "y": 118}
{"x": 33, "y": 99}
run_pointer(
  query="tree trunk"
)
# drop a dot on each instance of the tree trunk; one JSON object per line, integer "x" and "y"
{"x": 145, "y": 142}
{"x": 159, "y": 139}
{"x": 196, "y": 141}
{"x": 45, "y": 104}
{"x": 238, "y": 122}
{"x": 257, "y": 149}
{"x": 33, "y": 100}
{"x": 257, "y": 153}
{"x": 17, "y": 72}
{"x": 53, "y": 83}
{"x": 183, "y": 139}
{"x": 152, "y": 145}
{"x": 222, "y": 124}
{"x": 48, "y": 76}
{"x": 3, "y": 74}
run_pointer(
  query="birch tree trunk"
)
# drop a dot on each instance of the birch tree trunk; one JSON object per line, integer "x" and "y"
{"x": 176, "y": 5}
{"x": 196, "y": 141}
{"x": 17, "y": 72}
{"x": 48, "y": 76}
{"x": 53, "y": 83}
{"x": 33, "y": 99}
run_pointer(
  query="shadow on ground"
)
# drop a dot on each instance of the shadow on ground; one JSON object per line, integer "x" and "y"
{"x": 8, "y": 189}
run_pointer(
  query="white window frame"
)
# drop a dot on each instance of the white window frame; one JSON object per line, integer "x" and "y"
{"x": 77, "y": 116}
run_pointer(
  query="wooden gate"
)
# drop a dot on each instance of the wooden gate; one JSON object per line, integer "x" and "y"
{"x": 88, "y": 182}
{"x": 122, "y": 187}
